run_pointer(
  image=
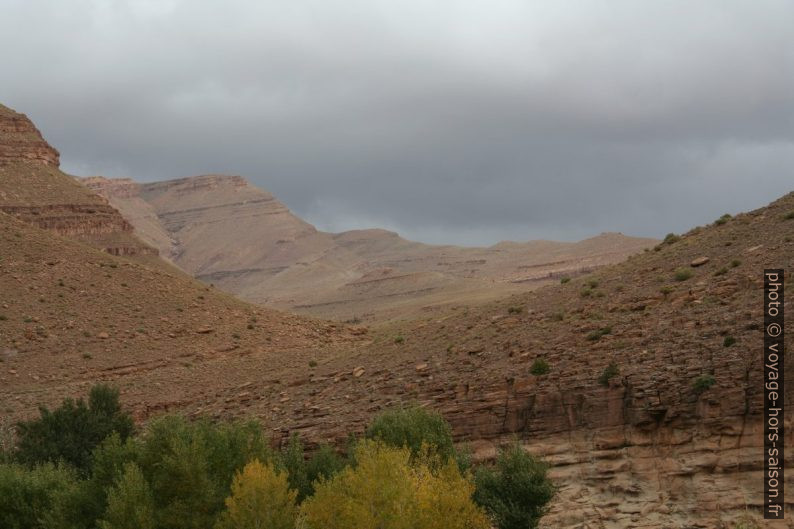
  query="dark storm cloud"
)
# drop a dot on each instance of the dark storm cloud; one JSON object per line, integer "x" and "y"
{"x": 453, "y": 121}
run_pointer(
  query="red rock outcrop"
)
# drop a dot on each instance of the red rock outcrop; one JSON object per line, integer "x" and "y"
{"x": 33, "y": 189}
{"x": 21, "y": 141}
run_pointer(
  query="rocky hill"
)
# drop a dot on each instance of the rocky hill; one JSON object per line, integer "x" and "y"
{"x": 33, "y": 189}
{"x": 226, "y": 232}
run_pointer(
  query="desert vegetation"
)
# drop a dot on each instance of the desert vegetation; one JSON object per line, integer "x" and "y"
{"x": 82, "y": 465}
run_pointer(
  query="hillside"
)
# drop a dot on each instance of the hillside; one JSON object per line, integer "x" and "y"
{"x": 228, "y": 233}
{"x": 35, "y": 190}
{"x": 643, "y": 449}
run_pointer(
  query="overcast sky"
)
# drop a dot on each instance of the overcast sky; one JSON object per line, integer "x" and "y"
{"x": 454, "y": 121}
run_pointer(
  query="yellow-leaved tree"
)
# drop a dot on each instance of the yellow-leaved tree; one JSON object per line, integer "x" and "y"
{"x": 386, "y": 490}
{"x": 260, "y": 499}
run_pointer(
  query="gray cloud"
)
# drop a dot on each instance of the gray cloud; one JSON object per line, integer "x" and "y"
{"x": 449, "y": 121}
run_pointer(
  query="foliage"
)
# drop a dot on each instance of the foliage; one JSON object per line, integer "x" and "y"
{"x": 413, "y": 427}
{"x": 728, "y": 341}
{"x": 260, "y": 498}
{"x": 71, "y": 432}
{"x": 609, "y": 372}
{"x": 723, "y": 219}
{"x": 130, "y": 502}
{"x": 389, "y": 488}
{"x": 539, "y": 367}
{"x": 671, "y": 238}
{"x": 682, "y": 274}
{"x": 516, "y": 490}
{"x": 190, "y": 466}
{"x": 26, "y": 495}
{"x": 703, "y": 382}
{"x": 564, "y": 280}
{"x": 598, "y": 333}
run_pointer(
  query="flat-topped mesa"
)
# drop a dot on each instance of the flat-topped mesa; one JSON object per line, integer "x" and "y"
{"x": 21, "y": 141}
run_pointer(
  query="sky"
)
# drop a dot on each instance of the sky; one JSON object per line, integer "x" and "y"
{"x": 449, "y": 121}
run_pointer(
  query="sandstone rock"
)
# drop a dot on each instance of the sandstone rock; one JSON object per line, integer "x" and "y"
{"x": 700, "y": 261}
{"x": 103, "y": 336}
{"x": 204, "y": 330}
{"x": 357, "y": 372}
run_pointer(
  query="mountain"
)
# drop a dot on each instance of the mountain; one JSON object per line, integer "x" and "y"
{"x": 226, "y": 232}
{"x": 83, "y": 300}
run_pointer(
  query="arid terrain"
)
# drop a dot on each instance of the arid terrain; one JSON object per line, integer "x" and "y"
{"x": 226, "y": 232}
{"x": 634, "y": 435}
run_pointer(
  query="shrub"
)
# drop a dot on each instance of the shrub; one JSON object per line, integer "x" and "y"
{"x": 597, "y": 334}
{"x": 608, "y": 373}
{"x": 703, "y": 382}
{"x": 564, "y": 280}
{"x": 390, "y": 488}
{"x": 539, "y": 367}
{"x": 515, "y": 310}
{"x": 28, "y": 494}
{"x": 721, "y": 272}
{"x": 260, "y": 498}
{"x": 130, "y": 502}
{"x": 682, "y": 274}
{"x": 671, "y": 238}
{"x": 71, "y": 432}
{"x": 789, "y": 215}
{"x": 666, "y": 290}
{"x": 735, "y": 263}
{"x": 413, "y": 427}
{"x": 399, "y": 339}
{"x": 515, "y": 492}
{"x": 723, "y": 219}
{"x": 312, "y": 363}
{"x": 728, "y": 341}
{"x": 592, "y": 283}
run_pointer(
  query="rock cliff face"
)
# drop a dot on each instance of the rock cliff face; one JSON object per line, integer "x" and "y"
{"x": 34, "y": 190}
{"x": 21, "y": 141}
{"x": 227, "y": 232}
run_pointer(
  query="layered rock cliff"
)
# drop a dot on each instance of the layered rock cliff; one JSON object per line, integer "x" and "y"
{"x": 33, "y": 189}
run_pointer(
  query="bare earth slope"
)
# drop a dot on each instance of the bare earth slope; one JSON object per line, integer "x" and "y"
{"x": 227, "y": 232}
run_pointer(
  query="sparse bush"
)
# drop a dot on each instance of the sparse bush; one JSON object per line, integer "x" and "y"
{"x": 558, "y": 315}
{"x": 540, "y": 367}
{"x": 721, "y": 272}
{"x": 598, "y": 333}
{"x": 728, "y": 341}
{"x": 666, "y": 290}
{"x": 260, "y": 499}
{"x": 71, "y": 432}
{"x": 703, "y": 382}
{"x": 515, "y": 310}
{"x": 516, "y": 490}
{"x": 671, "y": 238}
{"x": 608, "y": 373}
{"x": 789, "y": 215}
{"x": 399, "y": 339}
{"x": 592, "y": 283}
{"x": 564, "y": 280}
{"x": 723, "y": 219}
{"x": 413, "y": 427}
{"x": 682, "y": 274}
{"x": 312, "y": 363}
{"x": 735, "y": 263}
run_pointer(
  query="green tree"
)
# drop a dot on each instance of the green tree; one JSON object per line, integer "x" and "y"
{"x": 413, "y": 427}
{"x": 130, "y": 502}
{"x": 260, "y": 499}
{"x": 73, "y": 430}
{"x": 26, "y": 495}
{"x": 515, "y": 492}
